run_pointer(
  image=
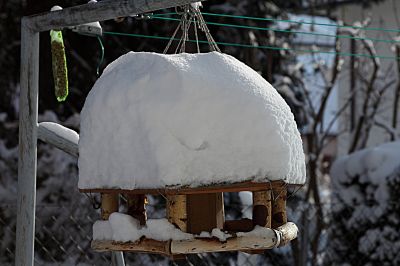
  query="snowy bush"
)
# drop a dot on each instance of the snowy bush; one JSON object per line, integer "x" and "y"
{"x": 366, "y": 211}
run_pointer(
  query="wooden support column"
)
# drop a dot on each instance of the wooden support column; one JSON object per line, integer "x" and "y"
{"x": 279, "y": 206}
{"x": 177, "y": 211}
{"x": 205, "y": 212}
{"x": 262, "y": 208}
{"x": 109, "y": 204}
{"x": 137, "y": 207}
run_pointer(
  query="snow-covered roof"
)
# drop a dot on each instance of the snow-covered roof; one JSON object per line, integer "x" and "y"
{"x": 154, "y": 120}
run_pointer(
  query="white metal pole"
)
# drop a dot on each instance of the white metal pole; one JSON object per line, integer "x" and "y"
{"x": 28, "y": 113}
{"x": 118, "y": 258}
{"x": 28, "y": 124}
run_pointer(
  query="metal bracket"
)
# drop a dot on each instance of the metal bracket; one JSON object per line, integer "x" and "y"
{"x": 92, "y": 29}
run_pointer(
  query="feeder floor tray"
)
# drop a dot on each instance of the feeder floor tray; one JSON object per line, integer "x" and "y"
{"x": 247, "y": 243}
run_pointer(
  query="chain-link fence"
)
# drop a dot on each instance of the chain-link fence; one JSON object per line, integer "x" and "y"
{"x": 64, "y": 233}
{"x": 356, "y": 226}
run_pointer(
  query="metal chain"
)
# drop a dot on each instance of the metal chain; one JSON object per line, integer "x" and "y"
{"x": 191, "y": 14}
{"x": 172, "y": 38}
{"x": 195, "y": 34}
{"x": 203, "y": 26}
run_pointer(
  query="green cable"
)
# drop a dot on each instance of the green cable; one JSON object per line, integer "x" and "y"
{"x": 285, "y": 31}
{"x": 289, "y": 21}
{"x": 252, "y": 46}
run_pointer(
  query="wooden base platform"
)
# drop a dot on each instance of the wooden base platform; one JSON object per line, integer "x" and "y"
{"x": 282, "y": 236}
{"x": 185, "y": 190}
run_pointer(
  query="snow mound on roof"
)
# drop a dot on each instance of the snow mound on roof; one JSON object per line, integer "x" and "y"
{"x": 153, "y": 120}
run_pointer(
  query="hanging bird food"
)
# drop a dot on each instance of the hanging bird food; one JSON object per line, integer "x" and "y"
{"x": 59, "y": 62}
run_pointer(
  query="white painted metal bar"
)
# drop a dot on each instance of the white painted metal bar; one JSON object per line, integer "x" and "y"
{"x": 28, "y": 102}
{"x": 104, "y": 10}
{"x": 59, "y": 136}
{"x": 118, "y": 258}
{"x": 28, "y": 126}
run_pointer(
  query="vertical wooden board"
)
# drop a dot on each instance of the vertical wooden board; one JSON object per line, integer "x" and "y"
{"x": 109, "y": 204}
{"x": 177, "y": 211}
{"x": 205, "y": 212}
{"x": 262, "y": 208}
{"x": 279, "y": 207}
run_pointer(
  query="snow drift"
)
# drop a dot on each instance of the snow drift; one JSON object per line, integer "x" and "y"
{"x": 153, "y": 120}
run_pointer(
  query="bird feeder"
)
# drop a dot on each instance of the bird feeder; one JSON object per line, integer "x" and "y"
{"x": 190, "y": 127}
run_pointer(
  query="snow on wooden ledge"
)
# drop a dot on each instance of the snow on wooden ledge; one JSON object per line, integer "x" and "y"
{"x": 250, "y": 241}
{"x": 154, "y": 120}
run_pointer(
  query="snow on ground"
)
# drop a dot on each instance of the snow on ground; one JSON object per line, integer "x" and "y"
{"x": 153, "y": 120}
{"x": 365, "y": 206}
{"x": 370, "y": 167}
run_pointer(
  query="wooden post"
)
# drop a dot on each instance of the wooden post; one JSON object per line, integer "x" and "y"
{"x": 177, "y": 211}
{"x": 279, "y": 206}
{"x": 205, "y": 212}
{"x": 262, "y": 208}
{"x": 109, "y": 204}
{"x": 136, "y": 207}
{"x": 28, "y": 102}
{"x": 49, "y": 132}
{"x": 102, "y": 10}
{"x": 261, "y": 212}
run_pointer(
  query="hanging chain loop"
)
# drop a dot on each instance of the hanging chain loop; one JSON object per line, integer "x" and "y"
{"x": 190, "y": 14}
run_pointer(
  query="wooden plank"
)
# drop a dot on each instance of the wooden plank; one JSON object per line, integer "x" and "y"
{"x": 66, "y": 139}
{"x": 214, "y": 245}
{"x": 176, "y": 206}
{"x": 142, "y": 246}
{"x": 279, "y": 217}
{"x": 100, "y": 11}
{"x": 204, "y": 212}
{"x": 262, "y": 208}
{"x": 185, "y": 190}
{"x": 27, "y": 157}
{"x": 282, "y": 235}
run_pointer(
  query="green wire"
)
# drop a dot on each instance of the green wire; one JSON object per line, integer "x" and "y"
{"x": 289, "y": 21}
{"x": 253, "y": 46}
{"x": 285, "y": 31}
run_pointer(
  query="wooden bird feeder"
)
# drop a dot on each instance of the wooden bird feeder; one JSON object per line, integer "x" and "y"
{"x": 195, "y": 210}
{"x": 196, "y": 205}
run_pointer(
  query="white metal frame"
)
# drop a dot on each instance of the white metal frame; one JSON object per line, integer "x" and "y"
{"x": 29, "y": 129}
